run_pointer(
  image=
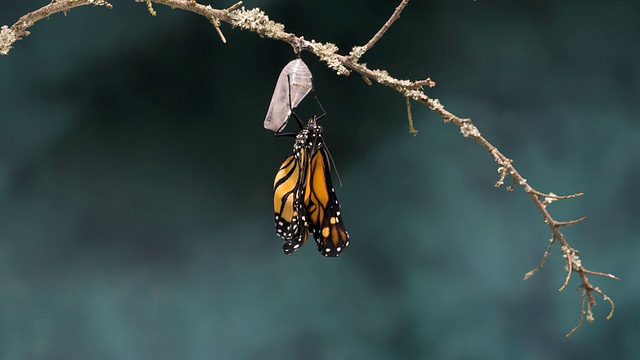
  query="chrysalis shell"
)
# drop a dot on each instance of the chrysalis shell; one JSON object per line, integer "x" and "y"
{"x": 295, "y": 78}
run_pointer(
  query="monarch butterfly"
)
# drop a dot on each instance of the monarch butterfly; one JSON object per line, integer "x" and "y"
{"x": 304, "y": 199}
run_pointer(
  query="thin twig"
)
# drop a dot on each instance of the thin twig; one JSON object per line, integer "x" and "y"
{"x": 233, "y": 7}
{"x": 511, "y": 187}
{"x": 412, "y": 130}
{"x": 426, "y": 82}
{"x": 150, "y": 8}
{"x": 569, "y": 256}
{"x": 542, "y": 262}
{"x": 597, "y": 273}
{"x": 554, "y": 196}
{"x": 582, "y": 312}
{"x": 570, "y": 222}
{"x": 606, "y": 298}
{"x": 358, "y": 51}
{"x": 366, "y": 80}
{"x": 222, "y": 38}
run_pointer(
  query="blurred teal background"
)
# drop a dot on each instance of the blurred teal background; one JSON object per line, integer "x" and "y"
{"x": 136, "y": 179}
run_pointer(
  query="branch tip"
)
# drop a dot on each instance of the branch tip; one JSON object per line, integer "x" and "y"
{"x": 233, "y": 7}
{"x": 412, "y": 130}
{"x": 597, "y": 273}
{"x": 542, "y": 262}
{"x": 503, "y": 174}
{"x": 613, "y": 306}
{"x": 219, "y": 31}
{"x": 582, "y": 313}
{"x": 554, "y": 196}
{"x": 358, "y": 51}
{"x": 151, "y": 10}
{"x": 569, "y": 223}
{"x": 426, "y": 82}
{"x": 512, "y": 187}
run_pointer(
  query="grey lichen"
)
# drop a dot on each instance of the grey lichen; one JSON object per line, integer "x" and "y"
{"x": 257, "y": 21}
{"x": 383, "y": 76}
{"x": 468, "y": 129}
{"x": 549, "y": 199}
{"x": 403, "y": 83}
{"x": 437, "y": 106}
{"x": 7, "y": 38}
{"x": 327, "y": 53}
{"x": 417, "y": 95}
{"x": 103, "y": 3}
{"x": 573, "y": 256}
{"x": 356, "y": 53}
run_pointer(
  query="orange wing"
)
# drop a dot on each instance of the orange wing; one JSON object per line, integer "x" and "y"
{"x": 323, "y": 208}
{"x": 288, "y": 200}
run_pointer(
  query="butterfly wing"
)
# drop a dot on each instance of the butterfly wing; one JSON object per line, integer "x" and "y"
{"x": 323, "y": 208}
{"x": 288, "y": 200}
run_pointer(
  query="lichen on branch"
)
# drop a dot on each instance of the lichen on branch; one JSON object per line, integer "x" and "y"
{"x": 256, "y": 21}
{"x": 7, "y": 37}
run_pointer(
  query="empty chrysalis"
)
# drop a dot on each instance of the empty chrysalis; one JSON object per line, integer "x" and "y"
{"x": 294, "y": 83}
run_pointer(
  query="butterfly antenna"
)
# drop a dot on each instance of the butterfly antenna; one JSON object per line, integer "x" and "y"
{"x": 332, "y": 163}
{"x": 313, "y": 91}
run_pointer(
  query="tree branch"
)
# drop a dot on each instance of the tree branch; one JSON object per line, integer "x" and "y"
{"x": 9, "y": 35}
{"x": 258, "y": 22}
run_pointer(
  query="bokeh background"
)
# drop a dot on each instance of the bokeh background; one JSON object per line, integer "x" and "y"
{"x": 136, "y": 185}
